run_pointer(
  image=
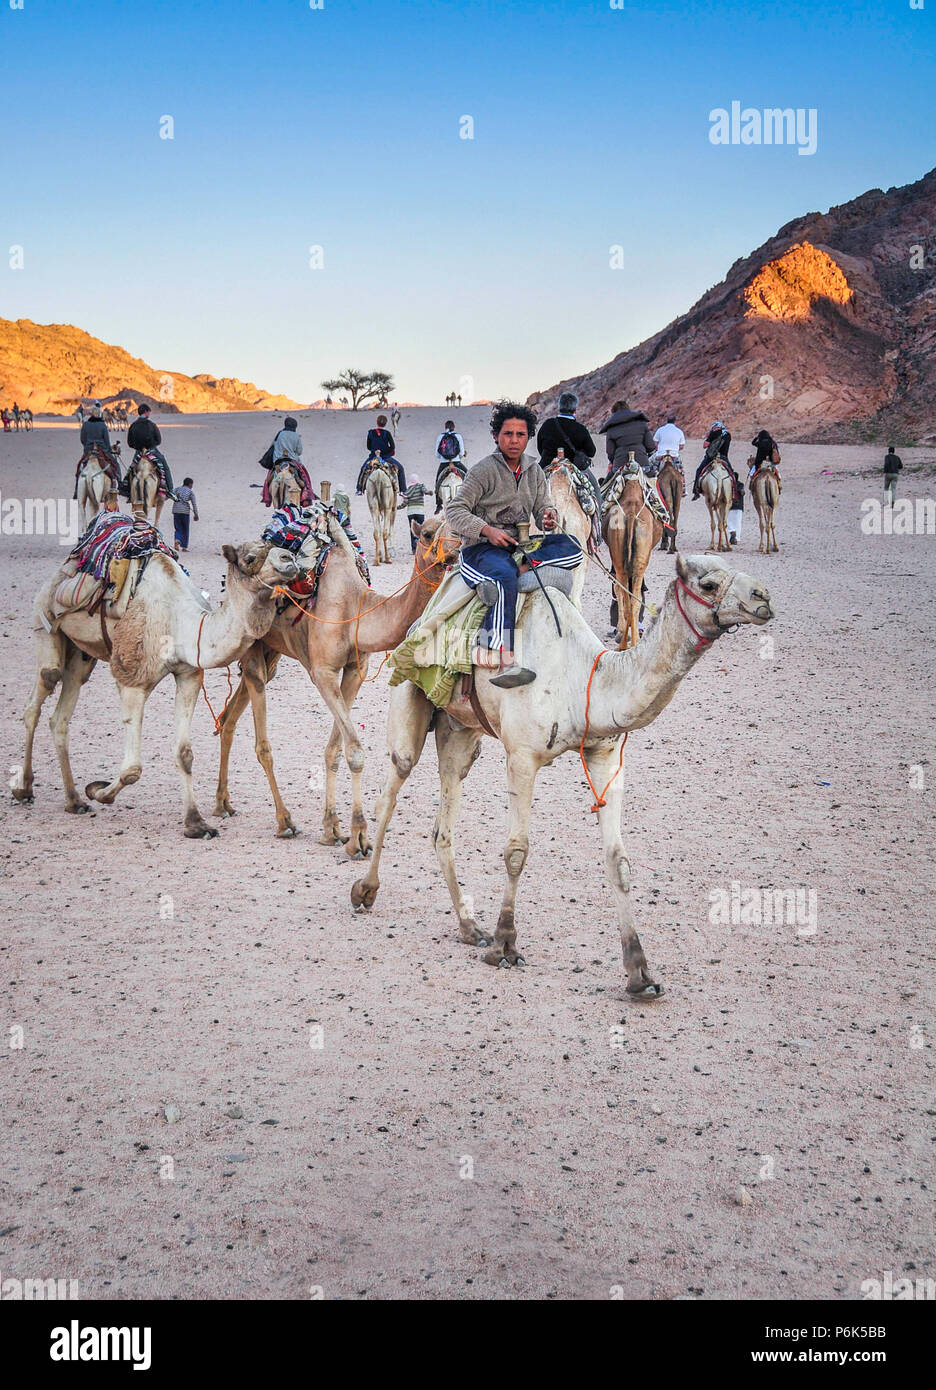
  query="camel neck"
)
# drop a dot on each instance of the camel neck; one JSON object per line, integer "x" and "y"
{"x": 227, "y": 631}
{"x": 630, "y": 688}
{"x": 385, "y": 621}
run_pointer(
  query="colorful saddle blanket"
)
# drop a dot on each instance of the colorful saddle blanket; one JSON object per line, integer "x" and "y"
{"x": 306, "y": 496}
{"x": 113, "y": 536}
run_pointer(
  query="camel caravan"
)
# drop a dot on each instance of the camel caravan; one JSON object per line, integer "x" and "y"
{"x": 485, "y": 638}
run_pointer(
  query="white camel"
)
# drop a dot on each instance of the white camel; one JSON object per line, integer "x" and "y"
{"x": 572, "y": 519}
{"x": 94, "y": 483}
{"x": 450, "y": 486}
{"x": 168, "y": 628}
{"x": 716, "y": 488}
{"x": 382, "y": 491}
{"x": 583, "y": 697}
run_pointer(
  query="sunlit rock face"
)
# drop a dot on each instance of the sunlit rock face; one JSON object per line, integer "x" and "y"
{"x": 786, "y": 289}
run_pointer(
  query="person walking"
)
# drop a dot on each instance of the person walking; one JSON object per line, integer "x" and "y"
{"x": 892, "y": 466}
{"x": 414, "y": 500}
{"x": 184, "y": 508}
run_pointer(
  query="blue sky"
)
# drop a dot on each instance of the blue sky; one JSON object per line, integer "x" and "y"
{"x": 445, "y": 259}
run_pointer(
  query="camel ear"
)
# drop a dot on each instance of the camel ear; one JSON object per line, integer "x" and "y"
{"x": 230, "y": 554}
{"x": 682, "y": 569}
{"x": 415, "y": 528}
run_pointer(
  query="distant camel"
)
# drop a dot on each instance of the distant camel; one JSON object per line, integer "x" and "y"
{"x": 146, "y": 489}
{"x": 284, "y": 488}
{"x": 670, "y": 486}
{"x": 381, "y": 491}
{"x": 717, "y": 489}
{"x": 631, "y": 530}
{"x": 765, "y": 490}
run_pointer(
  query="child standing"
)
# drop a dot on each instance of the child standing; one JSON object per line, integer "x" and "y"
{"x": 414, "y": 500}
{"x": 183, "y": 508}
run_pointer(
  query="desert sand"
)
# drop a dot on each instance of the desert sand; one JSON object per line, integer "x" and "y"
{"x": 463, "y": 1132}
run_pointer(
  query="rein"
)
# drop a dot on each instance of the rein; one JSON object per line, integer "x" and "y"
{"x": 701, "y": 640}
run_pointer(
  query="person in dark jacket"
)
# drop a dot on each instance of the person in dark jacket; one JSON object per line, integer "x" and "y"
{"x": 380, "y": 445}
{"x": 563, "y": 431}
{"x": 144, "y": 435}
{"x": 764, "y": 446}
{"x": 717, "y": 444}
{"x": 627, "y": 430}
{"x": 95, "y": 439}
{"x": 892, "y": 466}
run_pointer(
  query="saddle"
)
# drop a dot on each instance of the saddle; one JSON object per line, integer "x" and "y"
{"x": 634, "y": 473}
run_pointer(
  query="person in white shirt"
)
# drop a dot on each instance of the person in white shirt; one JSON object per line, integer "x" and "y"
{"x": 669, "y": 438}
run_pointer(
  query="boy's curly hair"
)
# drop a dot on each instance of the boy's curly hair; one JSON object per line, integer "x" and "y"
{"x": 510, "y": 410}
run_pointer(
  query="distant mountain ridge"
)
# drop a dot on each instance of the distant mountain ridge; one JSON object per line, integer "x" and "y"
{"x": 825, "y": 333}
{"x": 50, "y": 368}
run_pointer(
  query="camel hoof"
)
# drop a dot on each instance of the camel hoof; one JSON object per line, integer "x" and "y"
{"x": 200, "y": 830}
{"x": 225, "y": 812}
{"x": 288, "y": 832}
{"x": 92, "y": 789}
{"x": 520, "y": 961}
{"x": 24, "y": 797}
{"x": 80, "y": 808}
{"x": 363, "y": 894}
{"x": 651, "y": 991}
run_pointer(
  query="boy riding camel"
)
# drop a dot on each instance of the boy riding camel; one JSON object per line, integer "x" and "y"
{"x": 499, "y": 492}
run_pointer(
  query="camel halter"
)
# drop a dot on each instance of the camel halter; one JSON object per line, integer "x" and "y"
{"x": 702, "y": 641}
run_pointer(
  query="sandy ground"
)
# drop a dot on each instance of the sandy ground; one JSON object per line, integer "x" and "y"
{"x": 461, "y": 1132}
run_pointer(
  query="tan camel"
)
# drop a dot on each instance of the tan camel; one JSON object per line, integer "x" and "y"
{"x": 94, "y": 483}
{"x": 146, "y": 493}
{"x": 670, "y": 486}
{"x": 631, "y": 530}
{"x": 168, "y": 627}
{"x": 716, "y": 488}
{"x": 328, "y": 650}
{"x": 382, "y": 491}
{"x": 284, "y": 489}
{"x": 765, "y": 490}
{"x": 573, "y": 702}
{"x": 572, "y": 518}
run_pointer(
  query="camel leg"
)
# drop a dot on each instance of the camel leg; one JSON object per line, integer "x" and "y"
{"x": 457, "y": 747}
{"x": 602, "y": 765}
{"x": 188, "y": 688}
{"x": 711, "y": 515}
{"x": 357, "y": 845}
{"x": 329, "y": 683}
{"x": 254, "y": 676}
{"x": 521, "y": 777}
{"x": 51, "y": 660}
{"x": 238, "y": 703}
{"x": 133, "y": 699}
{"x": 78, "y": 668}
{"x": 407, "y": 727}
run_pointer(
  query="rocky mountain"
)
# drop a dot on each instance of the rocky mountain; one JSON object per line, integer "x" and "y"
{"x": 51, "y": 367}
{"x": 826, "y": 333}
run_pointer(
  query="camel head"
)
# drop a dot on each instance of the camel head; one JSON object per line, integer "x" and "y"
{"x": 436, "y": 547}
{"x": 261, "y": 565}
{"x": 715, "y": 597}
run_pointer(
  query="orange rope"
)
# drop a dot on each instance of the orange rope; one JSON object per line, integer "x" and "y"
{"x": 216, "y": 717}
{"x": 431, "y": 585}
{"x": 599, "y": 799}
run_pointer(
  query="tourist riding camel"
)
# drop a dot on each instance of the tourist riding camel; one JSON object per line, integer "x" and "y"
{"x": 144, "y": 437}
{"x": 563, "y": 431}
{"x": 380, "y": 445}
{"x": 498, "y": 494}
{"x": 96, "y": 442}
{"x": 766, "y": 450}
{"x": 285, "y": 451}
{"x": 451, "y": 458}
{"x": 626, "y": 431}
{"x": 586, "y": 702}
